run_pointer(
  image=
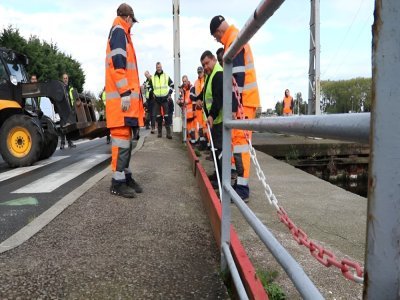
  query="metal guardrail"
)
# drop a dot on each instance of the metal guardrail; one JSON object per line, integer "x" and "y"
{"x": 348, "y": 127}
{"x": 382, "y": 265}
{"x": 344, "y": 127}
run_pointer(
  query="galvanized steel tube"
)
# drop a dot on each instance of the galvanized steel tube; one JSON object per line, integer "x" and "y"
{"x": 300, "y": 279}
{"x": 382, "y": 266}
{"x": 262, "y": 13}
{"x": 234, "y": 272}
{"x": 344, "y": 127}
{"x": 226, "y": 159}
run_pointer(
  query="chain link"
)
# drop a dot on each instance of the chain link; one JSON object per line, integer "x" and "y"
{"x": 350, "y": 270}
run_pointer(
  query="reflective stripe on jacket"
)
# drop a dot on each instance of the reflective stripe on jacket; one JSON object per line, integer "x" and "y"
{"x": 122, "y": 77}
{"x": 250, "y": 95}
{"x": 208, "y": 97}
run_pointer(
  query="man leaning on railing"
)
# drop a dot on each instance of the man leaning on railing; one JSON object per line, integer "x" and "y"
{"x": 245, "y": 85}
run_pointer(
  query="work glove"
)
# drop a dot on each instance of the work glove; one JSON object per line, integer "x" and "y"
{"x": 125, "y": 103}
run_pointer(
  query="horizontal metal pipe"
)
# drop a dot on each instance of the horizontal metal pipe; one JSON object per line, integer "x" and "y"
{"x": 344, "y": 127}
{"x": 234, "y": 272}
{"x": 295, "y": 272}
{"x": 262, "y": 13}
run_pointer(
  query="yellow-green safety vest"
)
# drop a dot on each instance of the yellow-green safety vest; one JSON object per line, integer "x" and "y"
{"x": 208, "y": 97}
{"x": 160, "y": 85}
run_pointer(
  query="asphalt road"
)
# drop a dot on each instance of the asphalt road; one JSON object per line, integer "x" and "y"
{"x": 27, "y": 192}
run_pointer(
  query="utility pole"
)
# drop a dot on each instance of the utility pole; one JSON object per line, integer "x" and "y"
{"x": 177, "y": 122}
{"x": 314, "y": 61}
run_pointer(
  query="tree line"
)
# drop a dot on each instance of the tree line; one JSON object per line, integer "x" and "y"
{"x": 45, "y": 59}
{"x": 340, "y": 96}
{"x": 343, "y": 96}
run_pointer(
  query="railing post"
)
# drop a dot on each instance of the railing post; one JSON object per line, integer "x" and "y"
{"x": 226, "y": 162}
{"x": 382, "y": 268}
{"x": 314, "y": 61}
{"x": 177, "y": 126}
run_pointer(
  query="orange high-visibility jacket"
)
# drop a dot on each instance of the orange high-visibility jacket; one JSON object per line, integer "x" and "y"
{"x": 198, "y": 85}
{"x": 287, "y": 104}
{"x": 250, "y": 95}
{"x": 188, "y": 101}
{"x": 122, "y": 77}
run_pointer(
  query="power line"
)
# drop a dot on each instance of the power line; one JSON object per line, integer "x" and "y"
{"x": 344, "y": 38}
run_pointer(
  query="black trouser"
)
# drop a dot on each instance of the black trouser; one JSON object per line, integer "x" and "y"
{"x": 62, "y": 138}
{"x": 216, "y": 132}
{"x": 150, "y": 117}
{"x": 157, "y": 113}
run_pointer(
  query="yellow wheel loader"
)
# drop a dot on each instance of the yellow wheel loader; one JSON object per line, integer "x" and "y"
{"x": 26, "y": 134}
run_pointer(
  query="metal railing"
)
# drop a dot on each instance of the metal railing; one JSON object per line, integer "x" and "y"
{"x": 350, "y": 127}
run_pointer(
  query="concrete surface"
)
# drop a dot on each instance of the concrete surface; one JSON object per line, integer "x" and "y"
{"x": 156, "y": 246}
{"x": 329, "y": 215}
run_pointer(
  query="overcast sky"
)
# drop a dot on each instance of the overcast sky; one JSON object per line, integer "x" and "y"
{"x": 280, "y": 48}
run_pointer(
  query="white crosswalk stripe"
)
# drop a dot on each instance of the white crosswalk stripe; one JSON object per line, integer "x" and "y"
{"x": 51, "y": 182}
{"x": 16, "y": 172}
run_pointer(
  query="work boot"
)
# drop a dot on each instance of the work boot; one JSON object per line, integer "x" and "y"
{"x": 71, "y": 144}
{"x": 202, "y": 146}
{"x": 213, "y": 176}
{"x": 243, "y": 192}
{"x": 159, "y": 129}
{"x": 133, "y": 184}
{"x": 169, "y": 136}
{"x": 121, "y": 189}
{"x": 62, "y": 146}
{"x": 152, "y": 130}
{"x": 214, "y": 184}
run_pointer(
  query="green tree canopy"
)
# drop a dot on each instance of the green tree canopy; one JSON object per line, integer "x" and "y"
{"x": 278, "y": 108}
{"x": 45, "y": 60}
{"x": 343, "y": 96}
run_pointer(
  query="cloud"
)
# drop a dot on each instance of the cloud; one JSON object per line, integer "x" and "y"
{"x": 280, "y": 48}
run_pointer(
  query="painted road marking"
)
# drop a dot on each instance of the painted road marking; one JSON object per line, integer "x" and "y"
{"x": 51, "y": 182}
{"x": 21, "y": 201}
{"x": 16, "y": 172}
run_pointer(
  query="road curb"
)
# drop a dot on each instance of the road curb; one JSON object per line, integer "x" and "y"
{"x": 47, "y": 216}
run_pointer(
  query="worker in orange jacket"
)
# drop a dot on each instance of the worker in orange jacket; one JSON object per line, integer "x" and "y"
{"x": 200, "y": 122}
{"x": 124, "y": 107}
{"x": 187, "y": 105}
{"x": 287, "y": 104}
{"x": 245, "y": 76}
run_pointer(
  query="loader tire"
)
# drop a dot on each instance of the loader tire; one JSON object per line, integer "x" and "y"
{"x": 50, "y": 137}
{"x": 21, "y": 140}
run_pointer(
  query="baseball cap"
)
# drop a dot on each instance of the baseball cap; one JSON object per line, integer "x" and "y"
{"x": 200, "y": 69}
{"x": 215, "y": 22}
{"x": 126, "y": 10}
